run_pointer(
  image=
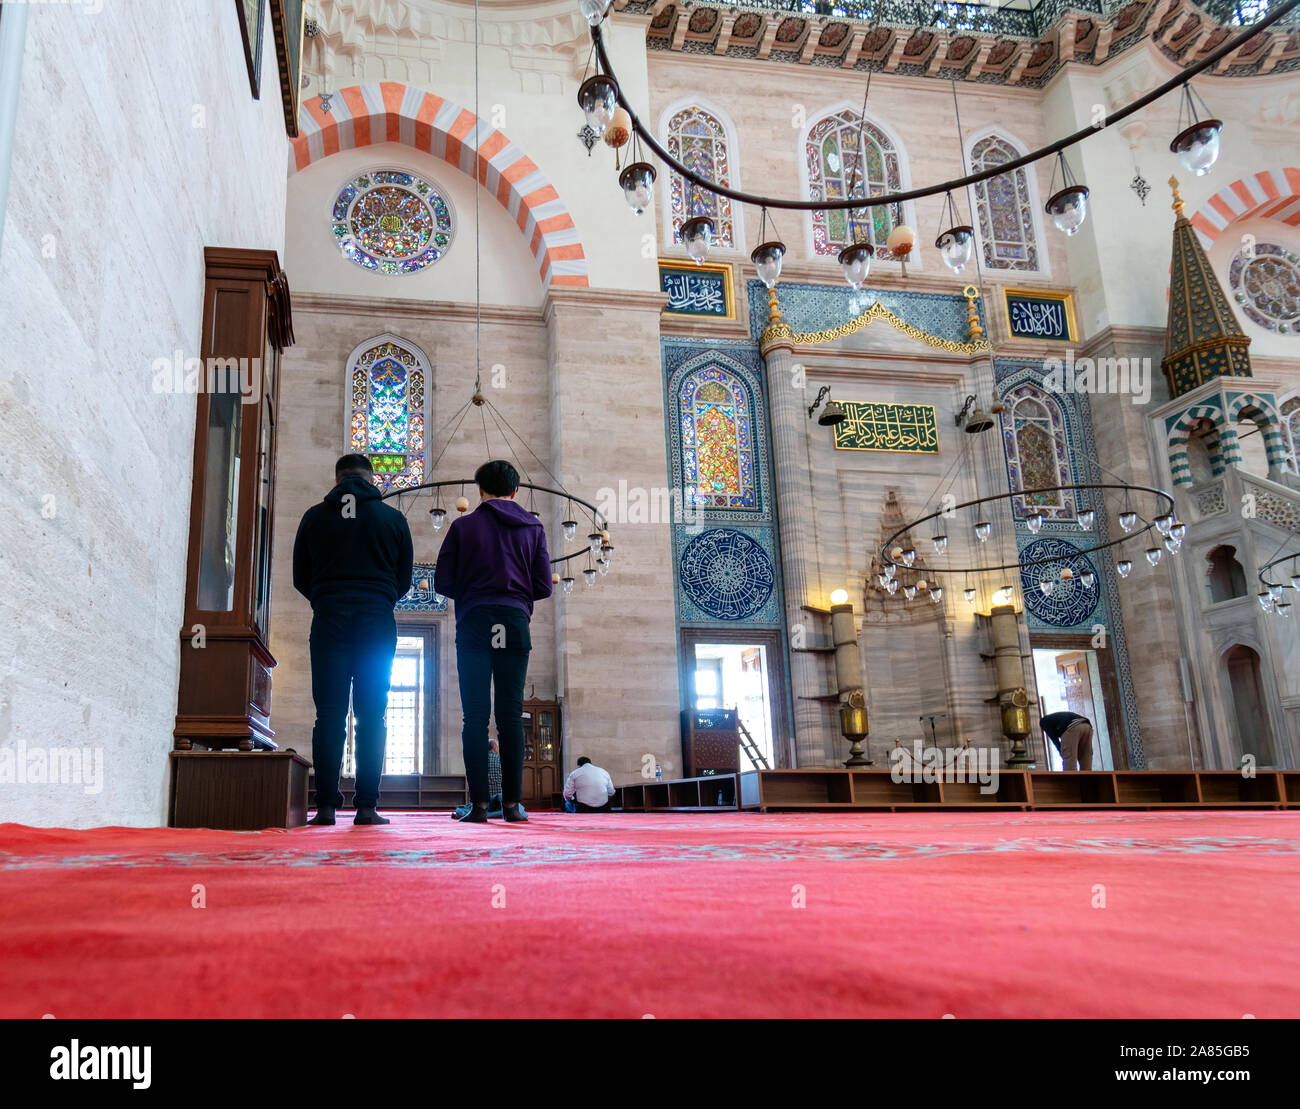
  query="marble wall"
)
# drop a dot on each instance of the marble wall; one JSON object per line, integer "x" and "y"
{"x": 138, "y": 144}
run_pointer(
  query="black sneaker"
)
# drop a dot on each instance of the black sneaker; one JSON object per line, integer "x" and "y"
{"x": 369, "y": 816}
{"x": 323, "y": 818}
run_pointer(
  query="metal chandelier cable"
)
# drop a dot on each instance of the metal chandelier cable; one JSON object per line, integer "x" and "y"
{"x": 1179, "y": 79}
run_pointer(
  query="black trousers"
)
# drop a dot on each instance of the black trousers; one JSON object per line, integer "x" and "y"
{"x": 352, "y": 648}
{"x": 492, "y": 646}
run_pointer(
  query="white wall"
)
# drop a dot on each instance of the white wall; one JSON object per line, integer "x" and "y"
{"x": 138, "y": 143}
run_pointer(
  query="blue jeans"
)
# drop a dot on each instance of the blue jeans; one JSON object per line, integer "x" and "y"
{"x": 492, "y": 646}
{"x": 352, "y": 648}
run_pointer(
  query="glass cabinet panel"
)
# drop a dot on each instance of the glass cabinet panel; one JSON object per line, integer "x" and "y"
{"x": 216, "y": 579}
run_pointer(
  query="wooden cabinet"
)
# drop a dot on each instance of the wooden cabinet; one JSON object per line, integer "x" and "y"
{"x": 224, "y": 699}
{"x": 543, "y": 775}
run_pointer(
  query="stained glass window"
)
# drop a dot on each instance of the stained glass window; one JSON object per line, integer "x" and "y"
{"x": 1003, "y": 209}
{"x": 1034, "y": 437}
{"x": 699, "y": 141}
{"x": 717, "y": 440}
{"x": 387, "y": 419}
{"x": 843, "y": 153}
{"x": 391, "y": 221}
{"x": 1265, "y": 281}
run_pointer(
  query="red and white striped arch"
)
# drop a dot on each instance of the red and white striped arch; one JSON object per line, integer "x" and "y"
{"x": 388, "y": 111}
{"x": 1273, "y": 194}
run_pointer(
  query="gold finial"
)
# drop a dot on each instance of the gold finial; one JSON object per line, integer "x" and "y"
{"x": 973, "y": 328}
{"x": 1177, "y": 205}
{"x": 773, "y": 307}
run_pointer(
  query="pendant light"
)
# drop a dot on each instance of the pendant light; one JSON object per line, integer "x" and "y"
{"x": 437, "y": 516}
{"x": 768, "y": 255}
{"x": 983, "y": 530}
{"x": 567, "y": 584}
{"x": 1088, "y": 578}
{"x": 697, "y": 235}
{"x": 1068, "y": 206}
{"x": 593, "y": 11}
{"x": 940, "y": 543}
{"x": 638, "y": 180}
{"x": 598, "y": 97}
{"x": 955, "y": 244}
{"x": 855, "y": 261}
{"x": 1034, "y": 522}
{"x": 1086, "y": 519}
{"x": 1265, "y": 599}
{"x": 936, "y": 594}
{"x": 1127, "y": 520}
{"x": 1197, "y": 144}
{"x": 1125, "y": 567}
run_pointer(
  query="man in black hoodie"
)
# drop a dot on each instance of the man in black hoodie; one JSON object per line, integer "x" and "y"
{"x": 352, "y": 559}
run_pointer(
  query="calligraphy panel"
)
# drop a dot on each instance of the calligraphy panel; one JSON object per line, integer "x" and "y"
{"x": 1035, "y": 314}
{"x": 907, "y": 428}
{"x": 698, "y": 291}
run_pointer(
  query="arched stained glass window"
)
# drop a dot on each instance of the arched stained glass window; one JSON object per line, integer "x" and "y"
{"x": 717, "y": 440}
{"x": 387, "y": 418}
{"x": 1034, "y": 438}
{"x": 1004, "y": 210}
{"x": 698, "y": 139}
{"x": 846, "y": 158}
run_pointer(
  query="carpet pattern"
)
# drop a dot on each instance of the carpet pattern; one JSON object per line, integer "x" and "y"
{"x": 625, "y": 915}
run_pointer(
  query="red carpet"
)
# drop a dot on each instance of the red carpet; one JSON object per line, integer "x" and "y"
{"x": 977, "y": 915}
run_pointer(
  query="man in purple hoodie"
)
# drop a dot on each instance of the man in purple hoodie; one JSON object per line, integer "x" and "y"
{"x": 494, "y": 564}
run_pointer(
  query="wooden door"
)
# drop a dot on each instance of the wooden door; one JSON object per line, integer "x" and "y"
{"x": 542, "y": 778}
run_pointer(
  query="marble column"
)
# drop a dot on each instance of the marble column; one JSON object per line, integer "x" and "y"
{"x": 788, "y": 415}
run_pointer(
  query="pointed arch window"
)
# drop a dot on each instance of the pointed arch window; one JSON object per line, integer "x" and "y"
{"x": 842, "y": 152}
{"x": 387, "y": 416}
{"x": 1290, "y": 413}
{"x": 1034, "y": 438}
{"x": 698, "y": 139}
{"x": 717, "y": 440}
{"x": 1004, "y": 209}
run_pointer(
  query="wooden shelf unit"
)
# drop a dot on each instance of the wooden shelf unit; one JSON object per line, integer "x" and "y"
{"x": 409, "y": 791}
{"x": 1016, "y": 790}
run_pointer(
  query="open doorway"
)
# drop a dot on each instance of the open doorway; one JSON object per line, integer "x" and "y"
{"x": 731, "y": 669}
{"x": 1072, "y": 680}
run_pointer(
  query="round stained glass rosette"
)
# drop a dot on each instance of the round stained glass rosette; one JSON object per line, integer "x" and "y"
{"x": 1266, "y": 285}
{"x": 391, "y": 221}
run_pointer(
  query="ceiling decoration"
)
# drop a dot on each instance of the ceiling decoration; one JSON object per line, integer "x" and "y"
{"x": 997, "y": 44}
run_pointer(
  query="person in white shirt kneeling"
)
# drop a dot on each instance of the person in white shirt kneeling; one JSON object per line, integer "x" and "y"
{"x": 588, "y": 788}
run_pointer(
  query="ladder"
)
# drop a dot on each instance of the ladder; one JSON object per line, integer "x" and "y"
{"x": 750, "y": 748}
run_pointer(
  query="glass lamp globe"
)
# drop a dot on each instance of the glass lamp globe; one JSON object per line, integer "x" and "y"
{"x": 892, "y": 587}
{"x": 1047, "y": 585}
{"x": 603, "y": 565}
{"x": 567, "y": 584}
{"x": 955, "y": 247}
{"x": 593, "y": 11}
{"x": 594, "y": 541}
{"x": 909, "y": 556}
{"x": 638, "y": 184}
{"x": 1172, "y": 545}
{"x": 1265, "y": 601}
{"x": 1164, "y": 523}
{"x": 1154, "y": 555}
{"x": 1125, "y": 567}
{"x": 1283, "y": 608}
{"x": 909, "y": 591}
{"x": 767, "y": 258}
{"x": 1295, "y": 582}
{"x": 438, "y": 517}
{"x": 1069, "y": 208}
{"x": 570, "y": 530}
{"x": 1178, "y": 531}
{"x": 936, "y": 594}
{"x": 1127, "y": 520}
{"x": 1087, "y": 518}
{"x": 697, "y": 235}
{"x": 1088, "y": 578}
{"x": 940, "y": 543}
{"x": 589, "y": 575}
{"x": 1034, "y": 522}
{"x": 1197, "y": 146}
{"x": 983, "y": 530}
{"x": 970, "y": 594}
{"x": 598, "y": 97}
{"x": 1003, "y": 596}
{"x": 889, "y": 570}
{"x": 855, "y": 261}
{"x": 1275, "y": 591}
{"x": 607, "y": 551}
